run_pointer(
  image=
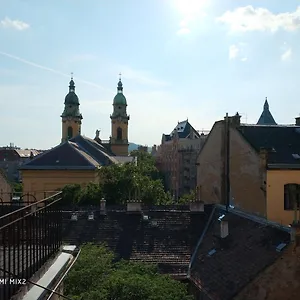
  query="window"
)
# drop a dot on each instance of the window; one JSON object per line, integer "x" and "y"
{"x": 291, "y": 194}
{"x": 70, "y": 132}
{"x": 119, "y": 133}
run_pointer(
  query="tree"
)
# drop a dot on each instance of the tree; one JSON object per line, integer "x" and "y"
{"x": 95, "y": 277}
{"x": 186, "y": 198}
{"x": 90, "y": 194}
{"x": 70, "y": 194}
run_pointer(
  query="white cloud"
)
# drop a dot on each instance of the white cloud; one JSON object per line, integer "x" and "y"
{"x": 248, "y": 18}
{"x": 286, "y": 55}
{"x": 233, "y": 51}
{"x": 14, "y": 24}
{"x": 237, "y": 52}
{"x": 190, "y": 11}
{"x": 183, "y": 31}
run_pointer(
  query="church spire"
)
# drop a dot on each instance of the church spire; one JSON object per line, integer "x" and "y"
{"x": 120, "y": 85}
{"x": 266, "y": 117}
{"x": 266, "y": 105}
{"x": 72, "y": 84}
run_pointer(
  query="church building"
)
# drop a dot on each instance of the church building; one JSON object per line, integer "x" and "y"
{"x": 78, "y": 158}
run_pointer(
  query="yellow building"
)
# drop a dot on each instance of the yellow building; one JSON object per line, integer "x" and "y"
{"x": 78, "y": 158}
{"x": 263, "y": 161}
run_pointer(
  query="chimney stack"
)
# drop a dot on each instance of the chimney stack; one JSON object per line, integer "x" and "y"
{"x": 235, "y": 120}
{"x": 297, "y": 123}
{"x": 224, "y": 230}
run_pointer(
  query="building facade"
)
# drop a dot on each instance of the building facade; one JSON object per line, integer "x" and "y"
{"x": 78, "y": 158}
{"x": 261, "y": 163}
{"x": 12, "y": 158}
{"x": 176, "y": 158}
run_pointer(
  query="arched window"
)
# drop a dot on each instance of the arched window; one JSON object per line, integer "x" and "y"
{"x": 119, "y": 133}
{"x": 70, "y": 132}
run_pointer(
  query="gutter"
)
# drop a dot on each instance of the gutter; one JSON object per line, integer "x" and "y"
{"x": 64, "y": 275}
{"x": 199, "y": 242}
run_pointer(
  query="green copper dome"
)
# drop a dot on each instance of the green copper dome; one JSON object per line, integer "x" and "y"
{"x": 120, "y": 98}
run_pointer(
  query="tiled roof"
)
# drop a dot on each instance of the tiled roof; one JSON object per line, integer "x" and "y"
{"x": 78, "y": 153}
{"x": 64, "y": 156}
{"x": 94, "y": 149}
{"x": 281, "y": 141}
{"x": 224, "y": 266}
{"x": 164, "y": 237}
{"x": 26, "y": 152}
{"x": 183, "y": 129}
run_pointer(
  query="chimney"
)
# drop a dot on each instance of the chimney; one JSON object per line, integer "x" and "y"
{"x": 224, "y": 230}
{"x": 263, "y": 154}
{"x": 235, "y": 120}
{"x": 297, "y": 123}
{"x": 102, "y": 206}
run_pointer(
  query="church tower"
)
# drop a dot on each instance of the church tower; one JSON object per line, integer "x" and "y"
{"x": 119, "y": 123}
{"x": 71, "y": 116}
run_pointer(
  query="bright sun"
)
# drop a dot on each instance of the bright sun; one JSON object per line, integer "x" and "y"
{"x": 190, "y": 7}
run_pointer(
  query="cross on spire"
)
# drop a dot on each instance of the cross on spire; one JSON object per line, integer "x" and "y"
{"x": 72, "y": 75}
{"x": 120, "y": 75}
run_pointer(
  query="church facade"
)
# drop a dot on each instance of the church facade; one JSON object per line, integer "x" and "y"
{"x": 78, "y": 158}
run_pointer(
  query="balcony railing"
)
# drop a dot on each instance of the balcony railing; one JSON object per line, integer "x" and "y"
{"x": 29, "y": 236}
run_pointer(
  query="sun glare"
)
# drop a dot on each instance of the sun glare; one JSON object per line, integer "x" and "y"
{"x": 190, "y": 7}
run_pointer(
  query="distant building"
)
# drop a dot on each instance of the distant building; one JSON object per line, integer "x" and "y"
{"x": 176, "y": 158}
{"x": 266, "y": 117}
{"x": 143, "y": 149}
{"x": 78, "y": 158}
{"x": 11, "y": 158}
{"x": 264, "y": 168}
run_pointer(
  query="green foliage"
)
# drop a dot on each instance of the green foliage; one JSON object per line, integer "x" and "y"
{"x": 18, "y": 187}
{"x": 95, "y": 277}
{"x": 129, "y": 181}
{"x": 70, "y": 193}
{"x": 185, "y": 199}
{"x": 90, "y": 194}
{"x": 120, "y": 183}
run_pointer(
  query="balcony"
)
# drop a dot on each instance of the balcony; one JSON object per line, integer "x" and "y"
{"x": 29, "y": 237}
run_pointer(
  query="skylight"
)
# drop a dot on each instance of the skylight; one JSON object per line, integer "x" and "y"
{"x": 212, "y": 252}
{"x": 296, "y": 156}
{"x": 280, "y": 247}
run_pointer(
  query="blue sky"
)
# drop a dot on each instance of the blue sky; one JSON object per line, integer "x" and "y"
{"x": 187, "y": 58}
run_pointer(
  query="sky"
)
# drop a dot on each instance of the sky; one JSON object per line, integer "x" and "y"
{"x": 179, "y": 59}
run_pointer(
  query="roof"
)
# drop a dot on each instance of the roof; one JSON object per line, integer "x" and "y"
{"x": 79, "y": 153}
{"x": 280, "y": 141}
{"x": 124, "y": 159}
{"x": 222, "y": 267}
{"x": 27, "y": 152}
{"x": 266, "y": 117}
{"x": 183, "y": 130}
{"x": 160, "y": 235}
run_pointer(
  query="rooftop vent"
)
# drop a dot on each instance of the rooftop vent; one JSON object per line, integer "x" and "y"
{"x": 211, "y": 252}
{"x": 221, "y": 217}
{"x": 91, "y": 216}
{"x": 145, "y": 218}
{"x": 74, "y": 217}
{"x": 296, "y": 156}
{"x": 280, "y": 247}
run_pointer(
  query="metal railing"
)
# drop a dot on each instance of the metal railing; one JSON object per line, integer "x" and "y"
{"x": 29, "y": 236}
